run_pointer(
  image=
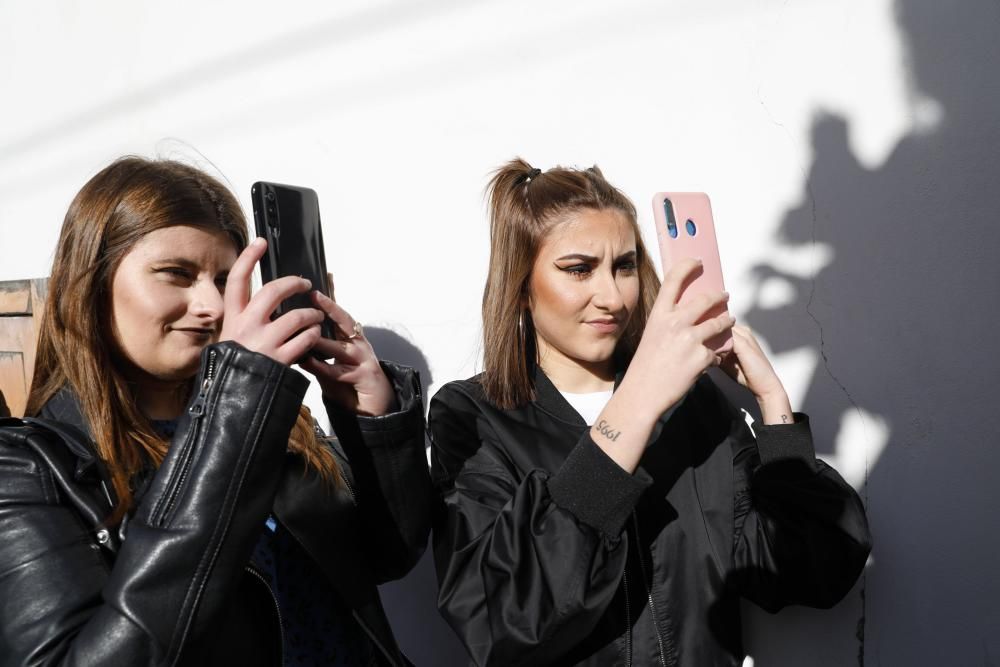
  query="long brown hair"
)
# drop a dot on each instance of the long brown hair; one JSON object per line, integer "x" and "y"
{"x": 122, "y": 203}
{"x": 524, "y": 205}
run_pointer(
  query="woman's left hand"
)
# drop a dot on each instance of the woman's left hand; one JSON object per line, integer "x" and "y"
{"x": 749, "y": 366}
{"x": 355, "y": 380}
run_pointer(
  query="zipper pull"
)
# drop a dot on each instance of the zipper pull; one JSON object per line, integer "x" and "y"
{"x": 197, "y": 408}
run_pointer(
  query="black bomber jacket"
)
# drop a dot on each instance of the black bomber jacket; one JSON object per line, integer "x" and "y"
{"x": 171, "y": 586}
{"x": 548, "y": 553}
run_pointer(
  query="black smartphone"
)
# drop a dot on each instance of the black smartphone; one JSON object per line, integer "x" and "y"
{"x": 287, "y": 216}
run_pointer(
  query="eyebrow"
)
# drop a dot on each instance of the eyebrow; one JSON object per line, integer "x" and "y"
{"x": 184, "y": 262}
{"x": 590, "y": 258}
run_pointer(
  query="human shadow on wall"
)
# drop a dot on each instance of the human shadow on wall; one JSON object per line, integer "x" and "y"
{"x": 411, "y": 602}
{"x": 813, "y": 560}
{"x": 903, "y": 321}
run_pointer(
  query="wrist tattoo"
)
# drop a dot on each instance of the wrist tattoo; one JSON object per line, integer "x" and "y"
{"x": 784, "y": 419}
{"x": 604, "y": 428}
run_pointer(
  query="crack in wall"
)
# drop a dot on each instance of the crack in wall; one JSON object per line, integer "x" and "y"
{"x": 819, "y": 325}
{"x": 859, "y": 632}
{"x": 860, "y": 629}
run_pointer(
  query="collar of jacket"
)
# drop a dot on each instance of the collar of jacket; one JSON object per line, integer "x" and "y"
{"x": 73, "y": 464}
{"x": 549, "y": 400}
{"x": 63, "y": 414}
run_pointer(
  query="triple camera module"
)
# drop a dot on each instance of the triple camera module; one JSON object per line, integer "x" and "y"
{"x": 668, "y": 211}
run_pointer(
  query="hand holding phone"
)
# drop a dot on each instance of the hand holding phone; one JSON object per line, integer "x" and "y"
{"x": 685, "y": 228}
{"x": 287, "y": 216}
{"x": 248, "y": 320}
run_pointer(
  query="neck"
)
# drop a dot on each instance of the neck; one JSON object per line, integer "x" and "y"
{"x": 578, "y": 377}
{"x": 161, "y": 399}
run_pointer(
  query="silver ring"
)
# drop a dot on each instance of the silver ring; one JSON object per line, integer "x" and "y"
{"x": 359, "y": 331}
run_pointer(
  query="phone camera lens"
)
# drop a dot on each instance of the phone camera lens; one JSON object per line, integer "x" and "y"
{"x": 691, "y": 229}
{"x": 269, "y": 196}
{"x": 668, "y": 213}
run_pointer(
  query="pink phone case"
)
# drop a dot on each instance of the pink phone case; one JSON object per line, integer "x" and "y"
{"x": 685, "y": 228}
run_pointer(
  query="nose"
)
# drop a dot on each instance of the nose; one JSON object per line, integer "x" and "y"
{"x": 206, "y": 301}
{"x": 608, "y": 295}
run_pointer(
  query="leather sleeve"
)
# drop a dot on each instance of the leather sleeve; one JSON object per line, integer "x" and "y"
{"x": 187, "y": 543}
{"x": 526, "y": 564}
{"x": 389, "y": 476}
{"x": 800, "y": 535}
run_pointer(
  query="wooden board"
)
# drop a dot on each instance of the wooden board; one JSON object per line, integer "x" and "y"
{"x": 21, "y": 306}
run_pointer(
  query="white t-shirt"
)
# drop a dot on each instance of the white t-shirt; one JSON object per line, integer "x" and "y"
{"x": 588, "y": 405}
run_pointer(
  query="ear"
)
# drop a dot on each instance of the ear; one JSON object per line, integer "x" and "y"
{"x": 524, "y": 302}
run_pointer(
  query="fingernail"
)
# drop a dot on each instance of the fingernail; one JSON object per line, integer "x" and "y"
{"x": 259, "y": 241}
{"x": 307, "y": 282}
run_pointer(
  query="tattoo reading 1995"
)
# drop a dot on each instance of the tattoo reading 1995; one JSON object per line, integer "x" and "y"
{"x": 605, "y": 429}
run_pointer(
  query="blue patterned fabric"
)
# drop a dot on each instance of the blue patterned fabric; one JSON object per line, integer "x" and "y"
{"x": 164, "y": 427}
{"x": 318, "y": 627}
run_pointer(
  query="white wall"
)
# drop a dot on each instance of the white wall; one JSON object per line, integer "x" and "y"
{"x": 849, "y": 148}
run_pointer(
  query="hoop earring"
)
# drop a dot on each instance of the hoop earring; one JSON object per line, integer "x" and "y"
{"x": 520, "y": 329}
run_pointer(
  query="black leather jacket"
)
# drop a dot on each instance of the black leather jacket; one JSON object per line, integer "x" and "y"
{"x": 171, "y": 585}
{"x": 548, "y": 553}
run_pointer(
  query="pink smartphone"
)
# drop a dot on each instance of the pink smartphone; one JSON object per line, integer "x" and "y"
{"x": 685, "y": 228}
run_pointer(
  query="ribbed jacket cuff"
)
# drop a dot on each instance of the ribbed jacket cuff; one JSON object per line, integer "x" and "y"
{"x": 383, "y": 430}
{"x": 783, "y": 442}
{"x": 596, "y": 489}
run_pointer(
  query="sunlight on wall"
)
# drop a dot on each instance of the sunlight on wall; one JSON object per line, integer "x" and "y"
{"x": 860, "y": 441}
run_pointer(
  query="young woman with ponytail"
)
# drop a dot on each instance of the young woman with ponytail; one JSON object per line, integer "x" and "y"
{"x": 601, "y": 502}
{"x": 169, "y": 501}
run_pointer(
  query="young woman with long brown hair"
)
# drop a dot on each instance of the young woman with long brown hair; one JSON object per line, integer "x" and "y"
{"x": 170, "y": 500}
{"x": 601, "y": 502}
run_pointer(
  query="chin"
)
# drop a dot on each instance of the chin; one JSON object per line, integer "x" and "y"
{"x": 597, "y": 356}
{"x": 193, "y": 349}
{"x": 186, "y": 369}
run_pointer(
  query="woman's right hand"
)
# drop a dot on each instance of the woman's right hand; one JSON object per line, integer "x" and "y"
{"x": 673, "y": 352}
{"x": 671, "y": 356}
{"x": 247, "y": 320}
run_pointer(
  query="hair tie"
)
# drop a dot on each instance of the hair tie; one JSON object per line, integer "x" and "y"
{"x": 526, "y": 177}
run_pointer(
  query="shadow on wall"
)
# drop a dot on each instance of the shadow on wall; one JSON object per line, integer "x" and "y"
{"x": 411, "y": 602}
{"x": 903, "y": 319}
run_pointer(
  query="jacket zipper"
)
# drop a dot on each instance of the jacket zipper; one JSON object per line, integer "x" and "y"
{"x": 649, "y": 590}
{"x": 197, "y": 411}
{"x": 277, "y": 609}
{"x": 628, "y": 619}
{"x": 350, "y": 489}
